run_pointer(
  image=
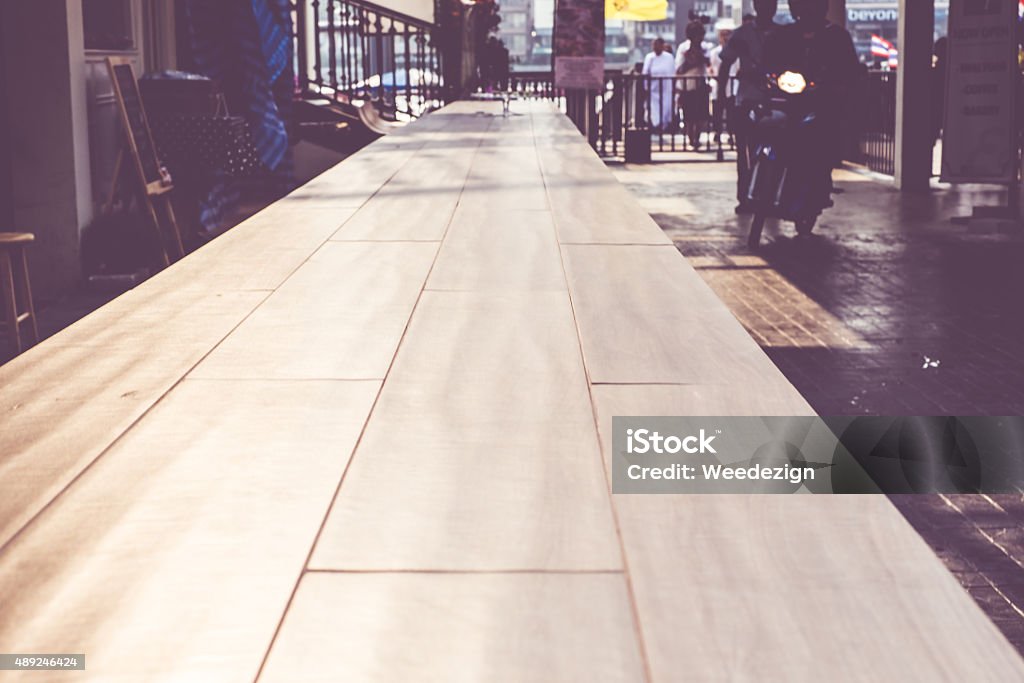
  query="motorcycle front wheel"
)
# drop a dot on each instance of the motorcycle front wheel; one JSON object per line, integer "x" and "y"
{"x": 756, "y": 227}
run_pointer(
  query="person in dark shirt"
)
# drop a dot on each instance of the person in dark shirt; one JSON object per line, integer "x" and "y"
{"x": 746, "y": 45}
{"x": 824, "y": 53}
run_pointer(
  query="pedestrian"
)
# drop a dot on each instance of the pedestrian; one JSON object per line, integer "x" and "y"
{"x": 659, "y": 67}
{"x": 720, "y": 105}
{"x": 685, "y": 44}
{"x": 746, "y": 45}
{"x": 693, "y": 86}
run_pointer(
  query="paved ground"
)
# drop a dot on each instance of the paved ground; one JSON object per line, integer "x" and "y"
{"x": 889, "y": 310}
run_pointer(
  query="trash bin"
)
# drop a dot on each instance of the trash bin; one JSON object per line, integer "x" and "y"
{"x": 638, "y": 146}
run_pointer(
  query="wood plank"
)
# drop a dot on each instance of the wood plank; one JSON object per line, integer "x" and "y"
{"x": 449, "y": 628}
{"x": 645, "y": 316}
{"x": 287, "y": 226}
{"x": 417, "y": 203}
{"x": 481, "y": 453}
{"x": 506, "y": 175}
{"x": 500, "y": 252}
{"x": 340, "y": 316}
{"x": 227, "y": 269}
{"x": 175, "y": 555}
{"x": 588, "y": 204}
{"x": 595, "y": 211}
{"x": 162, "y": 321}
{"x": 470, "y": 107}
{"x": 787, "y": 587}
{"x": 65, "y": 401}
{"x": 357, "y": 178}
{"x": 260, "y": 253}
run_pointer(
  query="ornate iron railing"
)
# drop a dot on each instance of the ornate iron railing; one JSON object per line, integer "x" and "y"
{"x": 353, "y": 52}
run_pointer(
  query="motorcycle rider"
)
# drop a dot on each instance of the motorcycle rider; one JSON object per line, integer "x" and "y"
{"x": 824, "y": 53}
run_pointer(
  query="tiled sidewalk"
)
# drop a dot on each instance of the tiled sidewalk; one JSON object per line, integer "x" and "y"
{"x": 981, "y": 540}
{"x": 890, "y": 309}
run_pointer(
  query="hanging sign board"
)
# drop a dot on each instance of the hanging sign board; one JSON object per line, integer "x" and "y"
{"x": 579, "y": 44}
{"x": 979, "y": 142}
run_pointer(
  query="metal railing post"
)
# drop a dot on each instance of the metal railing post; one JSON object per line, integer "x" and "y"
{"x": 318, "y": 76}
{"x": 301, "y": 46}
{"x": 332, "y": 48}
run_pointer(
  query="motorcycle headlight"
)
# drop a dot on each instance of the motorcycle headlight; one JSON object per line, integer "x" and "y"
{"x": 792, "y": 82}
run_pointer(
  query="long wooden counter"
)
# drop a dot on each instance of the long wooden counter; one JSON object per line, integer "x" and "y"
{"x": 360, "y": 437}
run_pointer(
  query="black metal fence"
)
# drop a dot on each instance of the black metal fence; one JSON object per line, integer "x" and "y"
{"x": 673, "y": 113}
{"x": 681, "y": 113}
{"x": 354, "y": 51}
{"x": 875, "y": 116}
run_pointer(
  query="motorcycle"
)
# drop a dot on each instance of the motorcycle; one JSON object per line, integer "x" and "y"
{"x": 791, "y": 176}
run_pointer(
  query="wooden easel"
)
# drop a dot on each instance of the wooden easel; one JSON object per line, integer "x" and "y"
{"x": 153, "y": 183}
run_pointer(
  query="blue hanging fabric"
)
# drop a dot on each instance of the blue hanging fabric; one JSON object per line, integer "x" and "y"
{"x": 246, "y": 46}
{"x": 273, "y": 18}
{"x": 265, "y": 55}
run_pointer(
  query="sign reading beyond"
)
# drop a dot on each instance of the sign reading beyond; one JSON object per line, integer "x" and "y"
{"x": 579, "y": 44}
{"x": 979, "y": 142}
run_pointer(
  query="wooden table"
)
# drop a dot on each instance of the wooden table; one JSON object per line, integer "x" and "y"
{"x": 360, "y": 436}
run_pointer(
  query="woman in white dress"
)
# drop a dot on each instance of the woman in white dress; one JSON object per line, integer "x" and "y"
{"x": 661, "y": 67}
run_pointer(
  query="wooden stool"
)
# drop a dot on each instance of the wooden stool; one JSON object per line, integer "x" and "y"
{"x": 14, "y": 281}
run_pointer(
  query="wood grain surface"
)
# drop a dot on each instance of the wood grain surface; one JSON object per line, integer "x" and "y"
{"x": 485, "y": 434}
{"x": 449, "y": 628}
{"x": 360, "y": 437}
{"x": 339, "y": 316}
{"x": 173, "y": 557}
